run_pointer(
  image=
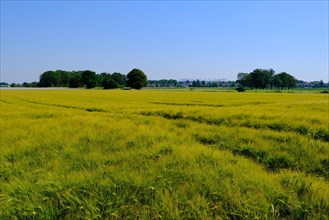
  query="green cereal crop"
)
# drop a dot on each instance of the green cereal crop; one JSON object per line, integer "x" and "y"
{"x": 163, "y": 154}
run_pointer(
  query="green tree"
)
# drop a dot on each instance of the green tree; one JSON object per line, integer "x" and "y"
{"x": 64, "y": 77}
{"x": 50, "y": 79}
{"x": 287, "y": 80}
{"x": 198, "y": 83}
{"x": 136, "y": 79}
{"x": 100, "y": 78}
{"x": 109, "y": 83}
{"x": 243, "y": 79}
{"x": 240, "y": 89}
{"x": 120, "y": 79}
{"x": 173, "y": 82}
{"x": 88, "y": 78}
{"x": 261, "y": 78}
{"x": 4, "y": 84}
{"x": 277, "y": 82}
{"x": 34, "y": 84}
{"x": 75, "y": 80}
{"x": 26, "y": 84}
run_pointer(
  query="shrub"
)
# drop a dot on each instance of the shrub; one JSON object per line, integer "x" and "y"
{"x": 240, "y": 89}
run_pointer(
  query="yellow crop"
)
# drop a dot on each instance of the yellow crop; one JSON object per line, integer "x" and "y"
{"x": 169, "y": 154}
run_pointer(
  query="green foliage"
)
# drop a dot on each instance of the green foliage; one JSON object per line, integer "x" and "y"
{"x": 243, "y": 79}
{"x": 284, "y": 80}
{"x": 240, "y": 89}
{"x": 30, "y": 85}
{"x": 75, "y": 80}
{"x": 4, "y": 84}
{"x": 163, "y": 83}
{"x": 116, "y": 80}
{"x": 64, "y": 77}
{"x": 120, "y": 79}
{"x": 50, "y": 79}
{"x": 109, "y": 83}
{"x": 262, "y": 79}
{"x": 88, "y": 78}
{"x": 136, "y": 79}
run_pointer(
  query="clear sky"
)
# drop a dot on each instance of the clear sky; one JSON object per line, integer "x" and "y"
{"x": 165, "y": 39}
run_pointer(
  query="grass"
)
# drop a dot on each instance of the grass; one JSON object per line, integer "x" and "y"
{"x": 163, "y": 154}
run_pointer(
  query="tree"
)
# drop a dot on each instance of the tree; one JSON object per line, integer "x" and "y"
{"x": 173, "y": 82}
{"x": 75, "y": 80}
{"x": 136, "y": 79}
{"x": 243, "y": 79}
{"x": 284, "y": 80}
{"x": 64, "y": 77}
{"x": 277, "y": 82}
{"x": 109, "y": 83}
{"x": 4, "y": 84}
{"x": 240, "y": 89}
{"x": 120, "y": 79}
{"x": 198, "y": 83}
{"x": 265, "y": 78}
{"x": 260, "y": 78}
{"x": 287, "y": 80}
{"x": 34, "y": 84}
{"x": 26, "y": 84}
{"x": 100, "y": 78}
{"x": 88, "y": 78}
{"x": 50, "y": 79}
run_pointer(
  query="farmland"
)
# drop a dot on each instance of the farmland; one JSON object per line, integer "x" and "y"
{"x": 163, "y": 154}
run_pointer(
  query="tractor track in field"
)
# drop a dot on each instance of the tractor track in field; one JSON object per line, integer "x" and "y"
{"x": 90, "y": 109}
{"x": 320, "y": 134}
{"x": 209, "y": 105}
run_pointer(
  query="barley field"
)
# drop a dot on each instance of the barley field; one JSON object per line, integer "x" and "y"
{"x": 163, "y": 154}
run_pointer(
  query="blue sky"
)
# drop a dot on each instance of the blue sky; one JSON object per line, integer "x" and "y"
{"x": 165, "y": 39}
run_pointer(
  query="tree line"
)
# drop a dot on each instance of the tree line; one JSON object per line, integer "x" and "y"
{"x": 162, "y": 83}
{"x": 89, "y": 79}
{"x": 203, "y": 83}
{"x": 266, "y": 79}
{"x": 257, "y": 79}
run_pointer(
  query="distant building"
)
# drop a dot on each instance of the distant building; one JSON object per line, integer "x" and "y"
{"x": 4, "y": 84}
{"x": 313, "y": 84}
